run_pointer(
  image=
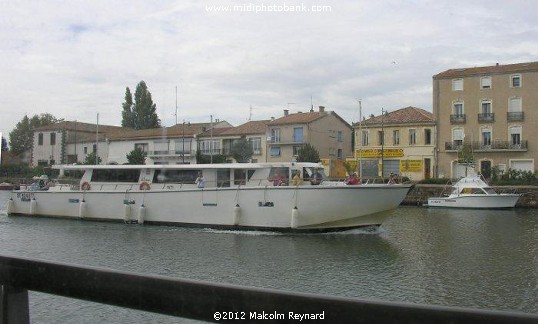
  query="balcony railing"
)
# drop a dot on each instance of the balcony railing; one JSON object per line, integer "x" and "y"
{"x": 486, "y": 117}
{"x": 212, "y": 302}
{"x": 213, "y": 151}
{"x": 170, "y": 153}
{"x": 457, "y": 119}
{"x": 515, "y": 116}
{"x": 484, "y": 147}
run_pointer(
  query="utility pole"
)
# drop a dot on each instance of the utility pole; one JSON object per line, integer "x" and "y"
{"x": 97, "y": 141}
{"x": 382, "y": 142}
{"x": 361, "y": 139}
{"x": 211, "y": 141}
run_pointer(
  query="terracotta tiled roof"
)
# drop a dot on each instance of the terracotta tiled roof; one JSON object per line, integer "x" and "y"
{"x": 484, "y": 70}
{"x": 407, "y": 115}
{"x": 299, "y": 118}
{"x": 215, "y": 132}
{"x": 248, "y": 128}
{"x": 151, "y": 133}
{"x": 80, "y": 127}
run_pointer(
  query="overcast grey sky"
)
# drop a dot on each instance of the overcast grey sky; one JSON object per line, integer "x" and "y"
{"x": 74, "y": 59}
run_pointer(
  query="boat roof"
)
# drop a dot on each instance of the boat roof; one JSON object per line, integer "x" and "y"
{"x": 471, "y": 181}
{"x": 187, "y": 166}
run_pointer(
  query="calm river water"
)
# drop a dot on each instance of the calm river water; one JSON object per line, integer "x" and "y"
{"x": 479, "y": 259}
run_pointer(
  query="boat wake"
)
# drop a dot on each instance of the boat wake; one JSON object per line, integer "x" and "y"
{"x": 241, "y": 232}
{"x": 368, "y": 230}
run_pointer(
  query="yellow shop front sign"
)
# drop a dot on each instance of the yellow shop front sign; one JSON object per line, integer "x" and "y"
{"x": 410, "y": 165}
{"x": 376, "y": 153}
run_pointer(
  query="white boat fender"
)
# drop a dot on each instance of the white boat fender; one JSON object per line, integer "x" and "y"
{"x": 10, "y": 206}
{"x": 141, "y": 214}
{"x": 294, "y": 217}
{"x": 237, "y": 214}
{"x": 126, "y": 212}
{"x": 82, "y": 209}
{"x": 33, "y": 206}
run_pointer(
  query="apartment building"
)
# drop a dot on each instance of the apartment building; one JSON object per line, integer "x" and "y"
{"x": 325, "y": 130}
{"x": 273, "y": 140}
{"x": 70, "y": 142}
{"x": 491, "y": 114}
{"x": 223, "y": 140}
{"x": 165, "y": 145}
{"x": 399, "y": 142}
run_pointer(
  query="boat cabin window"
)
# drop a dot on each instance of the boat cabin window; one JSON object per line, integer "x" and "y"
{"x": 175, "y": 176}
{"x": 313, "y": 173}
{"x": 242, "y": 176}
{"x": 490, "y": 191}
{"x": 472, "y": 191}
{"x": 477, "y": 191}
{"x": 223, "y": 178}
{"x": 279, "y": 176}
{"x": 115, "y": 175}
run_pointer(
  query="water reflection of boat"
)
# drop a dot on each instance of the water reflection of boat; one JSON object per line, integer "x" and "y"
{"x": 268, "y": 196}
{"x": 474, "y": 192}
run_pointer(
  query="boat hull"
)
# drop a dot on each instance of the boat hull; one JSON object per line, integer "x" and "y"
{"x": 311, "y": 208}
{"x": 476, "y": 201}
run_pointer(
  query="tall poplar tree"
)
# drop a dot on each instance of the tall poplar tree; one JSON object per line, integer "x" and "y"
{"x": 141, "y": 113}
{"x": 127, "y": 113}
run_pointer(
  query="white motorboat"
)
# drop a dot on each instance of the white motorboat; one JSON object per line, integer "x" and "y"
{"x": 235, "y": 196}
{"x": 474, "y": 192}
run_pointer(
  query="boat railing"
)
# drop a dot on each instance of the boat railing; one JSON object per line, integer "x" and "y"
{"x": 447, "y": 190}
{"x": 209, "y": 301}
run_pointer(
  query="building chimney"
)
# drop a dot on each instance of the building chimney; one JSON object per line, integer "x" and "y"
{"x": 321, "y": 108}
{"x": 286, "y": 112}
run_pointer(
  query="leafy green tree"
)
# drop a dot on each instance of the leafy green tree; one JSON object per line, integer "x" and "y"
{"x": 127, "y": 113}
{"x": 242, "y": 150}
{"x": 136, "y": 156}
{"x": 308, "y": 153}
{"x": 90, "y": 159}
{"x": 206, "y": 159}
{"x": 465, "y": 155}
{"x": 21, "y": 138}
{"x": 140, "y": 114}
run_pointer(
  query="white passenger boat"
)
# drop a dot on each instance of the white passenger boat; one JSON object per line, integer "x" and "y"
{"x": 473, "y": 192}
{"x": 231, "y": 196}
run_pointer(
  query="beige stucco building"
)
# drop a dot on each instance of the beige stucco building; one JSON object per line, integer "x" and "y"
{"x": 490, "y": 111}
{"x": 399, "y": 142}
{"x": 325, "y": 130}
